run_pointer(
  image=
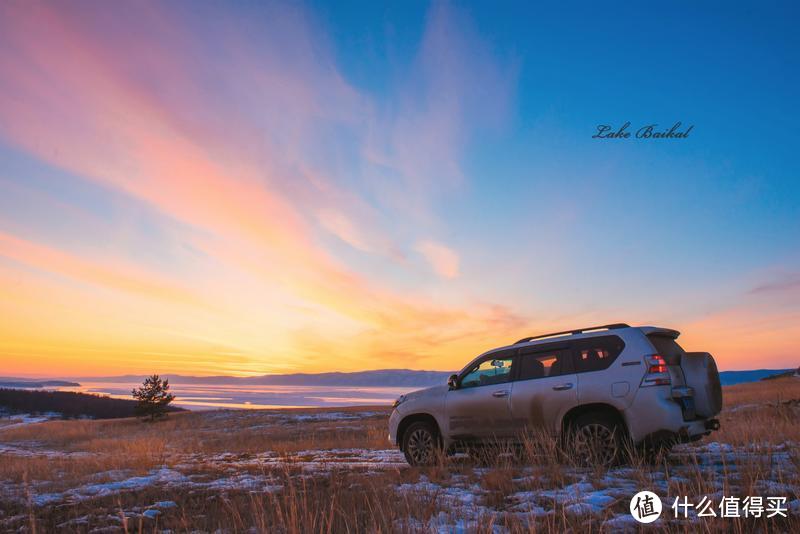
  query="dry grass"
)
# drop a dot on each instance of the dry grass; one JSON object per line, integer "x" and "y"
{"x": 294, "y": 496}
{"x": 761, "y": 412}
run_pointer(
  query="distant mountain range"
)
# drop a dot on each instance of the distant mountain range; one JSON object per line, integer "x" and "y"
{"x": 377, "y": 378}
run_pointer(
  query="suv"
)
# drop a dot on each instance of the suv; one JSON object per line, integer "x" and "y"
{"x": 596, "y": 389}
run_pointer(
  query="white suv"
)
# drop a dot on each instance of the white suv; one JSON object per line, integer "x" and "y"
{"x": 601, "y": 387}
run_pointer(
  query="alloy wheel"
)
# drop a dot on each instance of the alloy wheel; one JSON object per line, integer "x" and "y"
{"x": 596, "y": 442}
{"x": 420, "y": 446}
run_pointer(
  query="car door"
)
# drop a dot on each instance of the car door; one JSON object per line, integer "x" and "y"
{"x": 545, "y": 387}
{"x": 592, "y": 357}
{"x": 479, "y": 407}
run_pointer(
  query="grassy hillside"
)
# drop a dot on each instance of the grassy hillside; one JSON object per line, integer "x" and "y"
{"x": 332, "y": 470}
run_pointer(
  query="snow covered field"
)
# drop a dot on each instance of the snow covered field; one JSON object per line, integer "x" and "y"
{"x": 461, "y": 498}
{"x": 236, "y": 470}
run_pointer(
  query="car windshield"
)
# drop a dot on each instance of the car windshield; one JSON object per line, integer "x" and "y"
{"x": 495, "y": 371}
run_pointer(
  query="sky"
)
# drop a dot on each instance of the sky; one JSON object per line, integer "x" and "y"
{"x": 252, "y": 187}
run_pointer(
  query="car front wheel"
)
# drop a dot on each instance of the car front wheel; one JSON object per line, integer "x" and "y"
{"x": 421, "y": 443}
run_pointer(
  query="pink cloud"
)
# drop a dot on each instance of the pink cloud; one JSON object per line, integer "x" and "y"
{"x": 441, "y": 258}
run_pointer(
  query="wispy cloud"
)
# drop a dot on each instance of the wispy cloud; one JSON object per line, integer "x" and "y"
{"x": 442, "y": 259}
{"x": 457, "y": 86}
{"x": 238, "y": 149}
{"x": 785, "y": 283}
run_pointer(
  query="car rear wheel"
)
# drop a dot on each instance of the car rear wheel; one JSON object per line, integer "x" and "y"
{"x": 421, "y": 443}
{"x": 596, "y": 439}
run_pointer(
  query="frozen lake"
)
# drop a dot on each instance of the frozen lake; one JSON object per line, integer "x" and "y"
{"x": 210, "y": 396}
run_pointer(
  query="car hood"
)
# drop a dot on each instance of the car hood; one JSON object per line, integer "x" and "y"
{"x": 431, "y": 392}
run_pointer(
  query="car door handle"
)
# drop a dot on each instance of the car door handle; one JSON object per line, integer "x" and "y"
{"x": 562, "y": 387}
{"x": 500, "y": 394}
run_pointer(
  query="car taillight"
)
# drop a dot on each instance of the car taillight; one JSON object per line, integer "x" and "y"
{"x": 657, "y": 374}
{"x": 657, "y": 364}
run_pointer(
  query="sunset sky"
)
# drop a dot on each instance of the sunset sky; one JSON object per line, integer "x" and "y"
{"x": 249, "y": 188}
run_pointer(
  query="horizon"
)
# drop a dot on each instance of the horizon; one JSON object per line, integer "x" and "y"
{"x": 132, "y": 375}
{"x": 244, "y": 190}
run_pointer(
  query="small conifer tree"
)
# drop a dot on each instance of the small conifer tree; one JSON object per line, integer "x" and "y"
{"x": 153, "y": 397}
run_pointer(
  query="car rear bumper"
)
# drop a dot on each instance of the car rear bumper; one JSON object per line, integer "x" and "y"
{"x": 656, "y": 414}
{"x": 688, "y": 432}
{"x": 694, "y": 430}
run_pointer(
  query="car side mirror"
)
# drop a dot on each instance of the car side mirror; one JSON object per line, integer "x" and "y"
{"x": 452, "y": 382}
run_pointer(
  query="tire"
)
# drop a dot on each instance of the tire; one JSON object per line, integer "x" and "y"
{"x": 421, "y": 444}
{"x": 596, "y": 439}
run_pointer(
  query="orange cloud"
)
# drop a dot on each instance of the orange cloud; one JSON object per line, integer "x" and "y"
{"x": 125, "y": 278}
{"x": 759, "y": 331}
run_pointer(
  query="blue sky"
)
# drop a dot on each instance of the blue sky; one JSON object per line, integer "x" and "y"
{"x": 356, "y": 185}
{"x": 711, "y": 210}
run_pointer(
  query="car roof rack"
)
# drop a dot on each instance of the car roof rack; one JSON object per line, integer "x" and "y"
{"x": 613, "y": 326}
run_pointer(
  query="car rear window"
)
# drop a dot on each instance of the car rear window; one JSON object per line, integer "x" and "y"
{"x": 667, "y": 347}
{"x": 597, "y": 353}
{"x": 542, "y": 364}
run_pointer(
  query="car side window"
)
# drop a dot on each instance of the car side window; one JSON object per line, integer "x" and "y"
{"x": 542, "y": 364}
{"x": 597, "y": 353}
{"x": 489, "y": 372}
